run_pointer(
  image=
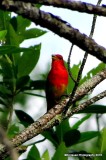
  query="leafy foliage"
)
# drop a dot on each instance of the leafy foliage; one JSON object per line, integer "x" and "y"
{"x": 16, "y": 65}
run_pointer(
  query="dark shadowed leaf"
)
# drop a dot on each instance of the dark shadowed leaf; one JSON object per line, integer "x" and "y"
{"x": 24, "y": 118}
{"x": 51, "y": 136}
{"x": 13, "y": 22}
{"x": 2, "y": 101}
{"x": 61, "y": 129}
{"x": 37, "y": 85}
{"x": 71, "y": 137}
{"x": 4, "y": 92}
{"x": 96, "y": 108}
{"x": 8, "y": 74}
{"x": 22, "y": 81}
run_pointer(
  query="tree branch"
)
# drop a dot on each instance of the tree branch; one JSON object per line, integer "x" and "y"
{"x": 41, "y": 124}
{"x": 75, "y": 110}
{"x": 86, "y": 104}
{"x": 82, "y": 64}
{"x": 56, "y": 25}
{"x": 72, "y": 5}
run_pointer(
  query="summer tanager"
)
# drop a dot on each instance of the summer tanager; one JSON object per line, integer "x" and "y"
{"x": 57, "y": 81}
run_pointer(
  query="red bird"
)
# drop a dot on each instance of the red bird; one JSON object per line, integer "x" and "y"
{"x": 57, "y": 81}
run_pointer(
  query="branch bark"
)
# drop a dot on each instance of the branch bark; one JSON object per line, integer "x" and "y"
{"x": 65, "y": 30}
{"x": 42, "y": 123}
{"x": 72, "y": 5}
{"x": 86, "y": 104}
{"x": 58, "y": 26}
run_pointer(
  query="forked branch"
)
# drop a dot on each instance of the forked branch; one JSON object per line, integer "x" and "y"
{"x": 58, "y": 26}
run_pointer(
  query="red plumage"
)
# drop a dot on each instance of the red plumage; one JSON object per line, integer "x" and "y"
{"x": 57, "y": 81}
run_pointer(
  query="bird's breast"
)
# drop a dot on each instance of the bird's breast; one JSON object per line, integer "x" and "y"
{"x": 58, "y": 77}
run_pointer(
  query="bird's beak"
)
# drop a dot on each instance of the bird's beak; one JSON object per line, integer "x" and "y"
{"x": 54, "y": 57}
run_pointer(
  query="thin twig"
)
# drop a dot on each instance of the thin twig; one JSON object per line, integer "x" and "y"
{"x": 97, "y": 122}
{"x": 86, "y": 104}
{"x": 10, "y": 116}
{"x": 38, "y": 126}
{"x": 68, "y": 63}
{"x": 41, "y": 124}
{"x": 83, "y": 62}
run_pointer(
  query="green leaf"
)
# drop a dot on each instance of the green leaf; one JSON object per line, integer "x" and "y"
{"x": 96, "y": 108}
{"x": 24, "y": 118}
{"x": 8, "y": 73}
{"x": 74, "y": 71}
{"x": 6, "y": 69}
{"x": 13, "y": 130}
{"x": 28, "y": 61}
{"x": 37, "y": 85}
{"x": 101, "y": 145}
{"x": 71, "y": 137}
{"x": 60, "y": 152}
{"x": 22, "y": 24}
{"x": 56, "y": 136}
{"x": 85, "y": 136}
{"x": 76, "y": 125}
{"x": 3, "y": 103}
{"x": 4, "y": 92}
{"x": 13, "y": 22}
{"x": 4, "y": 117}
{"x": 38, "y": 5}
{"x": 45, "y": 155}
{"x": 33, "y": 33}
{"x": 21, "y": 82}
{"x": 11, "y": 37}
{"x": 33, "y": 154}
{"x": 3, "y": 34}
{"x": 51, "y": 136}
{"x": 1, "y": 110}
{"x": 4, "y": 19}
{"x": 92, "y": 72}
{"x": 103, "y": 142}
{"x": 61, "y": 129}
{"x": 7, "y": 49}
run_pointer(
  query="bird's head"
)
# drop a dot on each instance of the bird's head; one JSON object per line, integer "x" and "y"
{"x": 57, "y": 57}
{"x": 57, "y": 60}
